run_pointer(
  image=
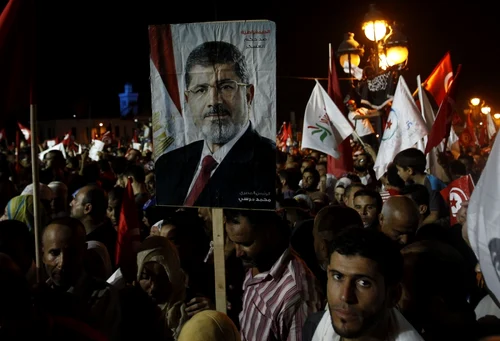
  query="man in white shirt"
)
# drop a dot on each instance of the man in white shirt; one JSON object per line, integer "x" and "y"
{"x": 364, "y": 286}
{"x": 360, "y": 119}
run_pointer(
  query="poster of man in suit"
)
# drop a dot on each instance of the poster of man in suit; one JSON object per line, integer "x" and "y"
{"x": 214, "y": 114}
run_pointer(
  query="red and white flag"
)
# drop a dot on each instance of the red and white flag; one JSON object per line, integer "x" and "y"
{"x": 439, "y": 81}
{"x": 444, "y": 116}
{"x": 107, "y": 137}
{"x": 344, "y": 163}
{"x": 457, "y": 192}
{"x": 67, "y": 138}
{"x": 26, "y": 132}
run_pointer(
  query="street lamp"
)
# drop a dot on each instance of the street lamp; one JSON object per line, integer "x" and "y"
{"x": 475, "y": 101}
{"x": 350, "y": 53}
{"x": 485, "y": 110}
{"x": 396, "y": 47}
{"x": 388, "y": 55}
{"x": 375, "y": 26}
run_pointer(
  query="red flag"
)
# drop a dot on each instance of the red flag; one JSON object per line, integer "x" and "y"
{"x": 456, "y": 193}
{"x": 289, "y": 130}
{"x": 128, "y": 228}
{"x": 284, "y": 133}
{"x": 107, "y": 137}
{"x": 440, "y": 79}
{"x": 67, "y": 138}
{"x": 344, "y": 163}
{"x": 162, "y": 55}
{"x": 26, "y": 132}
{"x": 468, "y": 136}
{"x": 442, "y": 124}
{"x": 134, "y": 138}
{"x": 16, "y": 56}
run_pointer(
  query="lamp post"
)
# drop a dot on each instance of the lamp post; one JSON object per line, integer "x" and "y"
{"x": 481, "y": 114}
{"x": 388, "y": 56}
{"x": 485, "y": 110}
{"x": 476, "y": 107}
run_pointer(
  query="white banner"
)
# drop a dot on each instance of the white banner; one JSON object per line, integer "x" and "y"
{"x": 404, "y": 128}
{"x": 483, "y": 217}
{"x": 325, "y": 127}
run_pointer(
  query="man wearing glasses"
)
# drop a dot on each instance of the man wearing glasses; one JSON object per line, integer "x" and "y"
{"x": 233, "y": 166}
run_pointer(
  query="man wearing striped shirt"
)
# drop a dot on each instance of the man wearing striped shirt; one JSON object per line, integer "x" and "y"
{"x": 279, "y": 289}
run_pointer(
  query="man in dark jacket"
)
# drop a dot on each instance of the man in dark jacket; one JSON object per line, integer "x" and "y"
{"x": 233, "y": 166}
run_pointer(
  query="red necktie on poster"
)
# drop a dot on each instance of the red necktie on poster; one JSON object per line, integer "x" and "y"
{"x": 207, "y": 166}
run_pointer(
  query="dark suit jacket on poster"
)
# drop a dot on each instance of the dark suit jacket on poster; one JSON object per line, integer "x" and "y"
{"x": 244, "y": 179}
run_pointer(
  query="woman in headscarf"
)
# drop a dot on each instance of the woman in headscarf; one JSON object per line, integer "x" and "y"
{"x": 97, "y": 260}
{"x": 21, "y": 208}
{"x": 161, "y": 277}
{"x": 209, "y": 325}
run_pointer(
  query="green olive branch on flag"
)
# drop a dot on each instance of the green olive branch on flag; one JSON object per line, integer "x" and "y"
{"x": 320, "y": 129}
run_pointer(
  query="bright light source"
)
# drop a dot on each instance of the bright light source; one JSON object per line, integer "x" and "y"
{"x": 475, "y": 101}
{"x": 397, "y": 55}
{"x": 74, "y": 116}
{"x": 135, "y": 120}
{"x": 375, "y": 30}
{"x": 100, "y": 124}
{"x": 497, "y": 116}
{"x": 486, "y": 110}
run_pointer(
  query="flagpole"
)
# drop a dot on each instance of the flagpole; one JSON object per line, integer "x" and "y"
{"x": 354, "y": 132}
{"x": 330, "y": 57}
{"x": 36, "y": 188}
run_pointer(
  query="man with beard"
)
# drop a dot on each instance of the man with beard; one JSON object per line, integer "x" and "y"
{"x": 363, "y": 167}
{"x": 70, "y": 291}
{"x": 364, "y": 286}
{"x": 233, "y": 166}
{"x": 279, "y": 290}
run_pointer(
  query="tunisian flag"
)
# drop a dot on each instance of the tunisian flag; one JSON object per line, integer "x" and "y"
{"x": 128, "y": 238}
{"x": 344, "y": 162}
{"x": 439, "y": 81}
{"x": 442, "y": 124}
{"x": 457, "y": 192}
{"x": 17, "y": 51}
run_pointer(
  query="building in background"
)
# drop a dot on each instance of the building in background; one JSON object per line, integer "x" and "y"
{"x": 84, "y": 130}
{"x": 128, "y": 102}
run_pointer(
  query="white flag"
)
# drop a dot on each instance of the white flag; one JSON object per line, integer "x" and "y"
{"x": 433, "y": 166}
{"x": 58, "y": 146}
{"x": 490, "y": 125}
{"x": 483, "y": 216}
{"x": 404, "y": 128}
{"x": 453, "y": 143}
{"x": 325, "y": 127}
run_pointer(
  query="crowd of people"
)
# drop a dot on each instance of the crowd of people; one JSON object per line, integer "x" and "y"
{"x": 347, "y": 258}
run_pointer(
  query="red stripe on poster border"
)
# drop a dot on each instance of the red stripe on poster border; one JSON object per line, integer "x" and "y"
{"x": 162, "y": 54}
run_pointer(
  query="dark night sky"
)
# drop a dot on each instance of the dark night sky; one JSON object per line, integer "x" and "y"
{"x": 87, "y": 51}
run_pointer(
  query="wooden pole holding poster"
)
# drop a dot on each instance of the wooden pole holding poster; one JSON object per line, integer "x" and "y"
{"x": 219, "y": 260}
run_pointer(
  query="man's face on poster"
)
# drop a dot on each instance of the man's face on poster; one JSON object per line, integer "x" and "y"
{"x": 218, "y": 101}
